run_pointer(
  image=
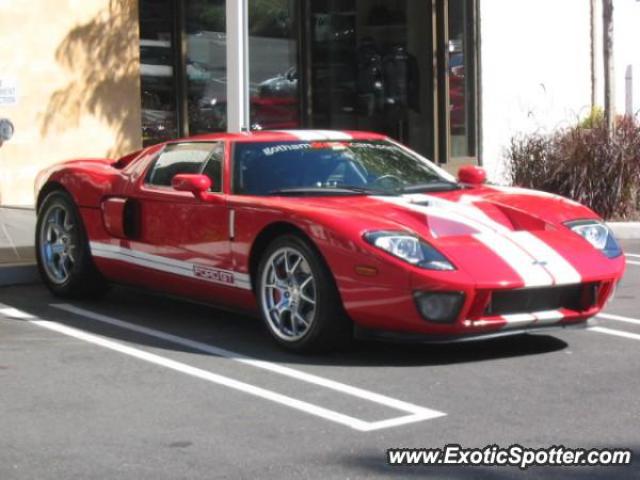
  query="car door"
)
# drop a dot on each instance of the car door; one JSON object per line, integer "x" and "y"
{"x": 183, "y": 241}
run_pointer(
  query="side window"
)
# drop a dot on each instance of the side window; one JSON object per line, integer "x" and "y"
{"x": 179, "y": 158}
{"x": 213, "y": 168}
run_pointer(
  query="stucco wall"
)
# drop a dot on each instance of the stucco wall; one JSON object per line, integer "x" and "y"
{"x": 535, "y": 69}
{"x": 76, "y": 65}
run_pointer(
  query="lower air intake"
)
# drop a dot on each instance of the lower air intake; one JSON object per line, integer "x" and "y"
{"x": 573, "y": 297}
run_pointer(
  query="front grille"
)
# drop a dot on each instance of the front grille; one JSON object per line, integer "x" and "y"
{"x": 573, "y": 297}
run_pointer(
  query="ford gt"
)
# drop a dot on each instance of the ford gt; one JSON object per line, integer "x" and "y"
{"x": 325, "y": 234}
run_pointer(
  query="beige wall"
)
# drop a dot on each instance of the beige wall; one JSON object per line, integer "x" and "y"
{"x": 76, "y": 63}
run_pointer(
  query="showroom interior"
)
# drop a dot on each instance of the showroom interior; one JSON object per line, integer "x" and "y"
{"x": 406, "y": 68}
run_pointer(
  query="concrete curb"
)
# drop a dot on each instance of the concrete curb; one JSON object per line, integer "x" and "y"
{"x": 18, "y": 274}
{"x": 626, "y": 230}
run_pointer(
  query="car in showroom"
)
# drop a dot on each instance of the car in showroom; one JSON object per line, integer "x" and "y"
{"x": 325, "y": 234}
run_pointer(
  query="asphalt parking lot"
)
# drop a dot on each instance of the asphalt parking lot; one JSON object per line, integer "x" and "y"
{"x": 145, "y": 387}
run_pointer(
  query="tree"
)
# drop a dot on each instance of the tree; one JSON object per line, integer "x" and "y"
{"x": 607, "y": 43}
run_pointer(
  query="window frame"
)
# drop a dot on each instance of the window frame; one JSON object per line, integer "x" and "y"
{"x": 472, "y": 62}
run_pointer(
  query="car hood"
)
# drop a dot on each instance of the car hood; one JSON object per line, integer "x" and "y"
{"x": 512, "y": 234}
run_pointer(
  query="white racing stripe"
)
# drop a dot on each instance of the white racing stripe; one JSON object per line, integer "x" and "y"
{"x": 170, "y": 265}
{"x": 537, "y": 263}
{"x": 533, "y": 275}
{"x": 334, "y": 135}
{"x": 306, "y": 135}
{"x": 547, "y": 317}
{"x": 414, "y": 413}
{"x": 561, "y": 270}
{"x": 519, "y": 318}
{"x": 317, "y": 135}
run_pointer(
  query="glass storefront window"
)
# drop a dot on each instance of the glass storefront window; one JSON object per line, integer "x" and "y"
{"x": 206, "y": 65}
{"x": 159, "y": 117}
{"x": 461, "y": 78}
{"x": 334, "y": 64}
{"x": 370, "y": 68}
{"x": 273, "y": 64}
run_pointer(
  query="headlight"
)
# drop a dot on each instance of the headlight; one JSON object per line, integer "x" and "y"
{"x": 410, "y": 249}
{"x": 598, "y": 235}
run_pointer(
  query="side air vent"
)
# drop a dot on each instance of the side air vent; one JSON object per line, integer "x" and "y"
{"x": 121, "y": 217}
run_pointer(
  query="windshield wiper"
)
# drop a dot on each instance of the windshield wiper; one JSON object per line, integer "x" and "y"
{"x": 435, "y": 186}
{"x": 366, "y": 190}
{"x": 338, "y": 190}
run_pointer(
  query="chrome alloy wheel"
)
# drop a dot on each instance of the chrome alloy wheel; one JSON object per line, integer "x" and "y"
{"x": 58, "y": 244}
{"x": 288, "y": 294}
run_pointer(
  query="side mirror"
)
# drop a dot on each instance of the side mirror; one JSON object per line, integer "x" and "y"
{"x": 199, "y": 185}
{"x": 472, "y": 175}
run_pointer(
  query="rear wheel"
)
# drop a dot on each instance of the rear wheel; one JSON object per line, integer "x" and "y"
{"x": 298, "y": 298}
{"x": 62, "y": 249}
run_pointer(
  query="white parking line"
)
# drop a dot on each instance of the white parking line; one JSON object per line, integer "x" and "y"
{"x": 635, "y": 255}
{"x": 610, "y": 316}
{"x": 629, "y": 262}
{"x": 415, "y": 412}
{"x": 617, "y": 333}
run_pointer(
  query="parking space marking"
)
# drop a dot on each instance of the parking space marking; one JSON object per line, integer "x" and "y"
{"x": 630, "y": 262}
{"x": 254, "y": 362}
{"x": 617, "y": 333}
{"x": 619, "y": 318}
{"x": 415, "y": 412}
{"x": 635, "y": 255}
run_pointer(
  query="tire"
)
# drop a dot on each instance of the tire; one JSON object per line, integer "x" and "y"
{"x": 301, "y": 315}
{"x": 62, "y": 250}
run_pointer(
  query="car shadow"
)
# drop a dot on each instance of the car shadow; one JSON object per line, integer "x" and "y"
{"x": 245, "y": 335}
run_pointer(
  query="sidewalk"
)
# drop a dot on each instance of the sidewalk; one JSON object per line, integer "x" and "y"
{"x": 17, "y": 255}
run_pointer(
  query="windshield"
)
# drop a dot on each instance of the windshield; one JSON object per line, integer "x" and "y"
{"x": 341, "y": 167}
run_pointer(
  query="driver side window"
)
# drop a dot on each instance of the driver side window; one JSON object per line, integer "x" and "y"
{"x": 188, "y": 158}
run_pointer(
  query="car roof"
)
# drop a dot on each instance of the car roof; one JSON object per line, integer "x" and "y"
{"x": 286, "y": 136}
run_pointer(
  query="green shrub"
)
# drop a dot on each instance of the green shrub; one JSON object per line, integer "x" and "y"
{"x": 583, "y": 163}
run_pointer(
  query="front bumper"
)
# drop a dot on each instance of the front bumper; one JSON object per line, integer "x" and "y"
{"x": 395, "y": 313}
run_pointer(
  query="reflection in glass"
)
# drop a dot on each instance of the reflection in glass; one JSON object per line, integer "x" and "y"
{"x": 370, "y": 68}
{"x": 460, "y": 85}
{"x": 159, "y": 120}
{"x": 273, "y": 72}
{"x": 273, "y": 64}
{"x": 206, "y": 65}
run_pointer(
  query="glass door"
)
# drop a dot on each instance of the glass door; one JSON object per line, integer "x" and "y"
{"x": 405, "y": 68}
{"x": 370, "y": 68}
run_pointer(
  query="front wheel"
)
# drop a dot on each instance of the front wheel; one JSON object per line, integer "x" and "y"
{"x": 62, "y": 249}
{"x": 298, "y": 298}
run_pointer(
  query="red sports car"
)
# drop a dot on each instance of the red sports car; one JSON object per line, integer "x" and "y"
{"x": 325, "y": 233}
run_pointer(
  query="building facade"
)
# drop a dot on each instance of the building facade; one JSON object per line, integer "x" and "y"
{"x": 453, "y": 79}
